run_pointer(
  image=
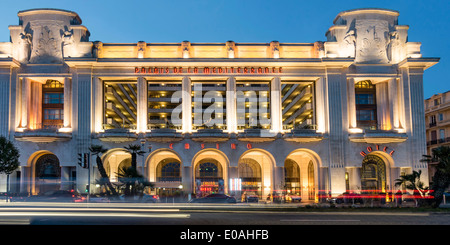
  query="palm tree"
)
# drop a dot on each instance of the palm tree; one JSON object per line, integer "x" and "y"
{"x": 133, "y": 181}
{"x": 134, "y": 150}
{"x": 97, "y": 150}
{"x": 441, "y": 179}
{"x": 9, "y": 158}
{"x": 412, "y": 182}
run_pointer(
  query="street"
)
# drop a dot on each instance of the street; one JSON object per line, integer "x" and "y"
{"x": 206, "y": 214}
{"x": 209, "y": 222}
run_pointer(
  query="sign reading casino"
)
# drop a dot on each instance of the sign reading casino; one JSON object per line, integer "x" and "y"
{"x": 208, "y": 70}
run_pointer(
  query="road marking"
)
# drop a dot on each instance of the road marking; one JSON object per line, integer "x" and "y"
{"x": 86, "y": 214}
{"x": 319, "y": 220}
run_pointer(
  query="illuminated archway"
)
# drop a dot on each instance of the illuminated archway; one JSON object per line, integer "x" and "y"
{"x": 301, "y": 174}
{"x": 45, "y": 172}
{"x": 113, "y": 160}
{"x": 373, "y": 174}
{"x": 164, "y": 169}
{"x": 265, "y": 165}
{"x": 210, "y": 171}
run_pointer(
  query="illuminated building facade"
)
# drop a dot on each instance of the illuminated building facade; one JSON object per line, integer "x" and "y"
{"x": 340, "y": 115}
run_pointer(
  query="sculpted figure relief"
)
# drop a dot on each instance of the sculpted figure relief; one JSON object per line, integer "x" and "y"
{"x": 372, "y": 41}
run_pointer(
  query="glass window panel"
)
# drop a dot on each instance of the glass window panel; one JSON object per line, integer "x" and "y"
{"x": 297, "y": 100}
{"x": 164, "y": 104}
{"x": 120, "y": 101}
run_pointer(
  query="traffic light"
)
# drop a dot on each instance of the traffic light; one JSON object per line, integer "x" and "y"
{"x": 83, "y": 160}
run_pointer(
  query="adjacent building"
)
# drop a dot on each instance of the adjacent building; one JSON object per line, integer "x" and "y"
{"x": 437, "y": 121}
{"x": 309, "y": 119}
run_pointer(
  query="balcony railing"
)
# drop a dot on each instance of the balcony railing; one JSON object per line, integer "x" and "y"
{"x": 438, "y": 141}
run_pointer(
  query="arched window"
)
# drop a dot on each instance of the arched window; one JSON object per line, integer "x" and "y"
{"x": 48, "y": 173}
{"x": 292, "y": 176}
{"x": 169, "y": 170}
{"x": 311, "y": 186}
{"x": 373, "y": 174}
{"x": 52, "y": 104}
{"x": 209, "y": 169}
{"x": 249, "y": 172}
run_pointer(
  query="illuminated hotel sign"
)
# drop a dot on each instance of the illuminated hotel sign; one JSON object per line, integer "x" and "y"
{"x": 208, "y": 70}
{"x": 378, "y": 148}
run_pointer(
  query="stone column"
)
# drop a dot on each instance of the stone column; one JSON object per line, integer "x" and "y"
{"x": 186, "y": 105}
{"x": 275, "y": 105}
{"x": 5, "y": 89}
{"x": 393, "y": 103}
{"x": 142, "y": 105}
{"x": 67, "y": 102}
{"x": 231, "y": 105}
{"x": 382, "y": 98}
{"x": 98, "y": 104}
{"x": 26, "y": 93}
{"x": 351, "y": 103}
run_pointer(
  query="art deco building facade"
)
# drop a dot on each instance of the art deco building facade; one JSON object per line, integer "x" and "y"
{"x": 345, "y": 114}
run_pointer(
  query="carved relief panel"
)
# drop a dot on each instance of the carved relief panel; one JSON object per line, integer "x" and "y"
{"x": 371, "y": 41}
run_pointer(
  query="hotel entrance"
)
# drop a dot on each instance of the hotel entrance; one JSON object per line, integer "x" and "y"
{"x": 208, "y": 177}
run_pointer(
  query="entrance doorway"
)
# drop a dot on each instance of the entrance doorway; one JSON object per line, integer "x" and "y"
{"x": 373, "y": 174}
{"x": 209, "y": 177}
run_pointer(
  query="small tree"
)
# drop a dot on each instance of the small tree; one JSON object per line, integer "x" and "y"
{"x": 412, "y": 182}
{"x": 97, "y": 150}
{"x": 9, "y": 158}
{"x": 134, "y": 183}
{"x": 441, "y": 179}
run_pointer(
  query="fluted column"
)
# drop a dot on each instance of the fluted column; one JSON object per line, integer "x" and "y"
{"x": 186, "y": 104}
{"x": 383, "y": 114}
{"x": 275, "y": 105}
{"x": 67, "y": 102}
{"x": 351, "y": 103}
{"x": 393, "y": 103}
{"x": 26, "y": 86}
{"x": 142, "y": 105}
{"x": 231, "y": 105}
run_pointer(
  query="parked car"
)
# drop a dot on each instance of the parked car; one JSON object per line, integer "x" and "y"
{"x": 350, "y": 197}
{"x": 252, "y": 198}
{"x": 55, "y": 196}
{"x": 150, "y": 198}
{"x": 293, "y": 198}
{"x": 214, "y": 198}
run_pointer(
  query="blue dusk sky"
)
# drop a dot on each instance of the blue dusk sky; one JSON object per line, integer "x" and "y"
{"x": 245, "y": 21}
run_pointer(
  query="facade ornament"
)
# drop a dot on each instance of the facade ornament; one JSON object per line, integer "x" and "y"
{"x": 141, "y": 49}
{"x": 97, "y": 49}
{"x": 371, "y": 41}
{"x": 350, "y": 43}
{"x": 26, "y": 42}
{"x": 45, "y": 48}
{"x": 230, "y": 47}
{"x": 67, "y": 42}
{"x": 185, "y": 47}
{"x": 275, "y": 49}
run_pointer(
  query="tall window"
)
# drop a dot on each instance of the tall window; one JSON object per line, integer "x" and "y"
{"x": 366, "y": 105}
{"x": 52, "y": 104}
{"x": 253, "y": 104}
{"x": 297, "y": 105}
{"x": 164, "y": 102}
{"x": 249, "y": 172}
{"x": 292, "y": 177}
{"x": 120, "y": 104}
{"x": 209, "y": 104}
